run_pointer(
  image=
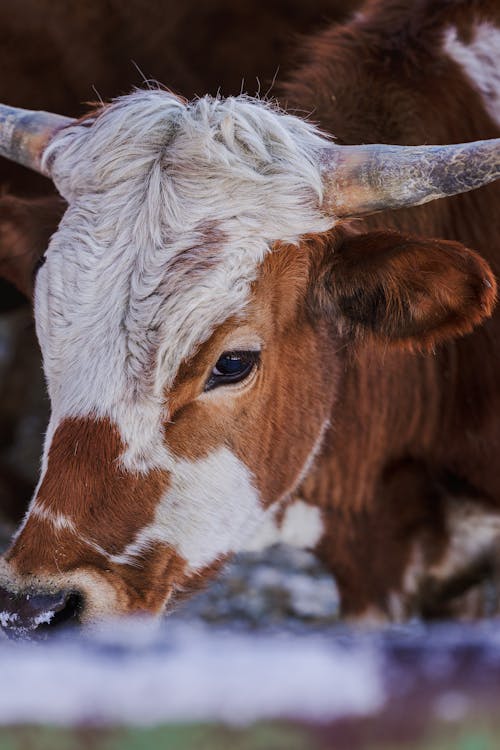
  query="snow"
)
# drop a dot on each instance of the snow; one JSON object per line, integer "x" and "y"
{"x": 144, "y": 673}
{"x": 7, "y": 618}
{"x": 131, "y": 672}
{"x": 43, "y": 618}
{"x": 281, "y": 585}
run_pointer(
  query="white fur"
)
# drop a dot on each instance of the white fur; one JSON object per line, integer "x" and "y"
{"x": 59, "y": 521}
{"x": 473, "y": 532}
{"x": 210, "y": 509}
{"x": 479, "y": 60}
{"x": 172, "y": 207}
{"x": 301, "y": 526}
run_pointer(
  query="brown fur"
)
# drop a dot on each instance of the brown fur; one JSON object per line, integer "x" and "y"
{"x": 384, "y": 78}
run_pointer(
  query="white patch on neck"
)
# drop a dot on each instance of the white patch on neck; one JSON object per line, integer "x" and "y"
{"x": 480, "y": 62}
{"x": 172, "y": 208}
{"x": 473, "y": 532}
{"x": 301, "y": 526}
{"x": 209, "y": 511}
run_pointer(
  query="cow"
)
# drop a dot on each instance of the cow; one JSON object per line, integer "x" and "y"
{"x": 237, "y": 352}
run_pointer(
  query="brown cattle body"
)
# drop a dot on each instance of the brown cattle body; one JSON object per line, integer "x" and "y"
{"x": 416, "y": 438}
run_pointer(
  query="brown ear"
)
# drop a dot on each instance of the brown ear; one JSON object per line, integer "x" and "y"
{"x": 26, "y": 226}
{"x": 411, "y": 291}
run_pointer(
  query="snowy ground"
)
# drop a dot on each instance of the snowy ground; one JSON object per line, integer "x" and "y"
{"x": 134, "y": 673}
{"x": 282, "y": 586}
{"x": 400, "y": 684}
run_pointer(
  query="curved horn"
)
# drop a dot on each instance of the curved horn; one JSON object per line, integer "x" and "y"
{"x": 24, "y": 134}
{"x": 364, "y": 179}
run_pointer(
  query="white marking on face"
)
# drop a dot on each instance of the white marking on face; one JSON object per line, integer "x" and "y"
{"x": 209, "y": 511}
{"x": 172, "y": 208}
{"x": 479, "y": 59}
{"x": 301, "y": 526}
{"x": 59, "y": 521}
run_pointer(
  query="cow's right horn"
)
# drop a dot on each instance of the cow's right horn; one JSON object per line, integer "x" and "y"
{"x": 368, "y": 178}
{"x": 24, "y": 134}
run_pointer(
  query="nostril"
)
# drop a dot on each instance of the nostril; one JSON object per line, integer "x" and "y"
{"x": 68, "y": 612}
{"x": 28, "y": 613}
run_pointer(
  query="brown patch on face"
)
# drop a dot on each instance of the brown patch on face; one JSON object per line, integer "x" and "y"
{"x": 149, "y": 585}
{"x": 292, "y": 399}
{"x": 273, "y": 424}
{"x": 85, "y": 499}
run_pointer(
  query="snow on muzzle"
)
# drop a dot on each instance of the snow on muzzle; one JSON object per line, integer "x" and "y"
{"x": 23, "y": 614}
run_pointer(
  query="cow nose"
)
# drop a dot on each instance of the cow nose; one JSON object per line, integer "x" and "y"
{"x": 33, "y": 614}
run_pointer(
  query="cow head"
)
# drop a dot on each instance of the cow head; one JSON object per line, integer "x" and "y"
{"x": 190, "y": 311}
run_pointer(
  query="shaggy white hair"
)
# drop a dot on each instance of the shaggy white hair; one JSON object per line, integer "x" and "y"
{"x": 172, "y": 207}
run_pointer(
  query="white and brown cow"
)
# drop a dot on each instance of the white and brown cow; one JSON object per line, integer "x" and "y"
{"x": 230, "y": 362}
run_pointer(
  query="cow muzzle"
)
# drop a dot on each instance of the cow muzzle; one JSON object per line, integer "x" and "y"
{"x": 33, "y": 614}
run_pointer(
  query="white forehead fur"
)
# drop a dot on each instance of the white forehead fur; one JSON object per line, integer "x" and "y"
{"x": 172, "y": 207}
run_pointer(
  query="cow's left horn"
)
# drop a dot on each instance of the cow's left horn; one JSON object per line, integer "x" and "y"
{"x": 24, "y": 134}
{"x": 364, "y": 179}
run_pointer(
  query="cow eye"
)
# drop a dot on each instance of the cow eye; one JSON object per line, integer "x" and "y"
{"x": 232, "y": 367}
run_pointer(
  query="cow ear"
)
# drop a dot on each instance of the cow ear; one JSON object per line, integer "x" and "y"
{"x": 26, "y": 226}
{"x": 405, "y": 290}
